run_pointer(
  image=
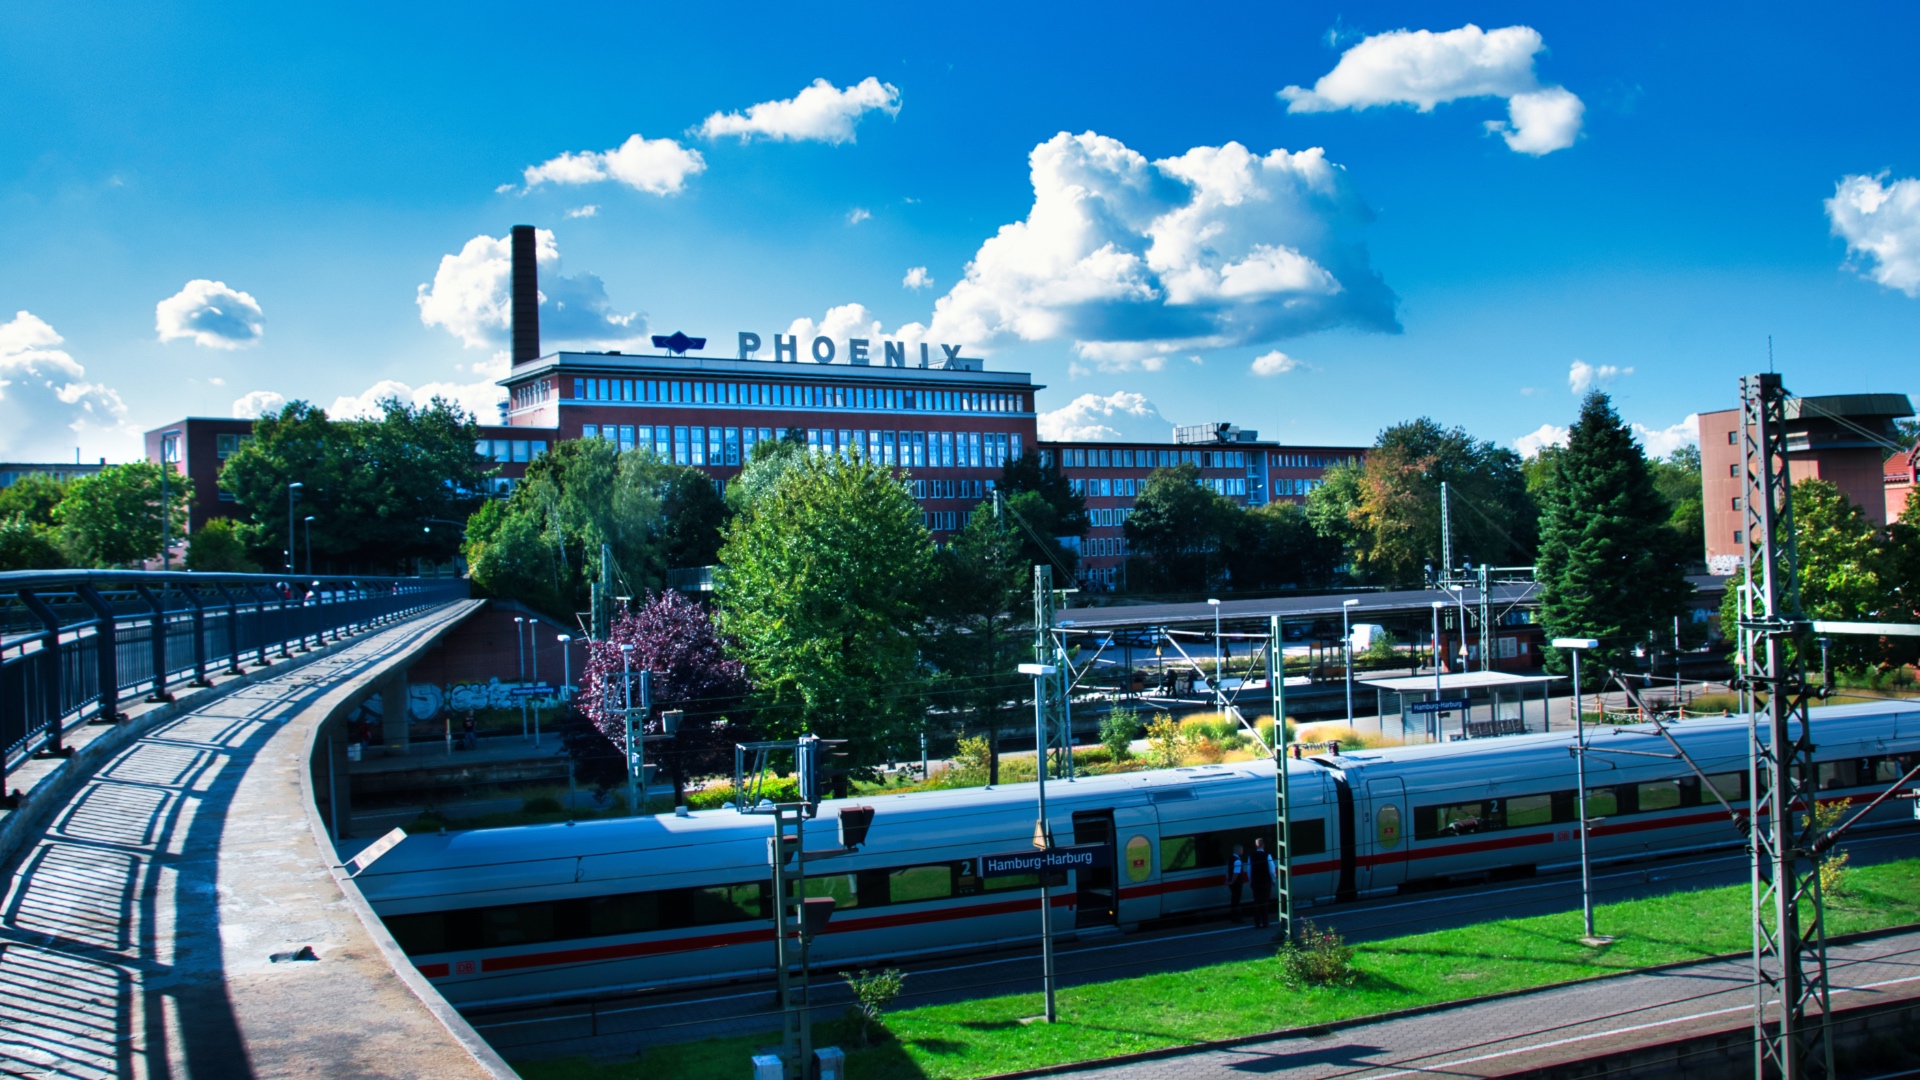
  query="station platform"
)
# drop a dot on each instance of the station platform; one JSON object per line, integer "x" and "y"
{"x": 180, "y": 912}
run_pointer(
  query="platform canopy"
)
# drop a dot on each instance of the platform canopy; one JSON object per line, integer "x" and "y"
{"x": 1462, "y": 680}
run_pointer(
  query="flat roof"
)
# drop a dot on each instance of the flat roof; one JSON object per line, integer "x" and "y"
{"x": 611, "y": 363}
{"x": 1404, "y": 602}
{"x": 1459, "y": 680}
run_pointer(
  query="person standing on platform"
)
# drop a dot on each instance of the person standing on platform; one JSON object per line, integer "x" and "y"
{"x": 1236, "y": 878}
{"x": 1261, "y": 872}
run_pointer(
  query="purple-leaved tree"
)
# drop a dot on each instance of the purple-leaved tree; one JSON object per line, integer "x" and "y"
{"x": 673, "y": 638}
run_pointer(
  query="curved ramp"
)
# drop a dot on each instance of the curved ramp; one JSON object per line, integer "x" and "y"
{"x": 142, "y": 921}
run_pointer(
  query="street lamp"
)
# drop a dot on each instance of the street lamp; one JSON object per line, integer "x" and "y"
{"x": 291, "y": 490}
{"x": 626, "y": 680}
{"x": 1217, "y": 669}
{"x": 1576, "y": 646}
{"x": 1346, "y": 642}
{"x": 1437, "y": 692}
{"x": 533, "y": 650}
{"x": 166, "y": 501}
{"x": 566, "y": 663}
{"x": 520, "y": 647}
{"x": 1042, "y": 836}
{"x": 309, "y": 524}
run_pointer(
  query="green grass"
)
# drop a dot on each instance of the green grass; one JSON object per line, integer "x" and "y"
{"x": 979, "y": 1038}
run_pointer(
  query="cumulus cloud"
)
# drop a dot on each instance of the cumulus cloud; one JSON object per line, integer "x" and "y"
{"x": 819, "y": 113}
{"x": 655, "y": 166}
{"x": 211, "y": 314}
{"x": 1424, "y": 69}
{"x": 469, "y": 298}
{"x": 258, "y": 403}
{"x": 1661, "y": 442}
{"x": 583, "y": 211}
{"x": 1135, "y": 260}
{"x": 849, "y": 321}
{"x": 1582, "y": 376}
{"x": 1881, "y": 225}
{"x": 482, "y": 399}
{"x": 858, "y": 214}
{"x": 1530, "y": 444}
{"x": 917, "y": 278}
{"x": 1118, "y": 417}
{"x": 46, "y": 402}
{"x": 1274, "y": 363}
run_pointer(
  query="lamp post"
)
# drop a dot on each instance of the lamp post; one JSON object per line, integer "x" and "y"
{"x": 166, "y": 500}
{"x": 292, "y": 489}
{"x": 309, "y": 526}
{"x": 626, "y": 680}
{"x": 520, "y": 647}
{"x": 1346, "y": 644}
{"x": 1437, "y": 691}
{"x": 1217, "y": 669}
{"x": 533, "y": 650}
{"x": 566, "y": 663}
{"x": 1042, "y": 836}
{"x": 1576, "y": 646}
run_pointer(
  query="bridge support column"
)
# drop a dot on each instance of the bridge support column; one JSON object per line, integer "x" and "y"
{"x": 393, "y": 714}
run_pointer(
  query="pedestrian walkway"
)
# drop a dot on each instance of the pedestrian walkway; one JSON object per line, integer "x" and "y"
{"x": 179, "y": 915}
{"x": 1541, "y": 1028}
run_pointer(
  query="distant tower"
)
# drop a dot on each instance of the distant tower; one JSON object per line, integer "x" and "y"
{"x": 526, "y": 297}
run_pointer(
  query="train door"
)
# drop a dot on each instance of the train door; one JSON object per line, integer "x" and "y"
{"x": 1386, "y": 832}
{"x": 1097, "y": 902}
{"x": 1136, "y": 841}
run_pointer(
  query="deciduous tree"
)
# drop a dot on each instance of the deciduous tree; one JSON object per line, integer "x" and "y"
{"x": 113, "y": 517}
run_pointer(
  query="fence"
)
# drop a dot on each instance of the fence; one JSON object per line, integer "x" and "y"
{"x": 75, "y": 644}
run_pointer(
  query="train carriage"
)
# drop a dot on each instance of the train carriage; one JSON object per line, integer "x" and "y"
{"x": 539, "y": 912}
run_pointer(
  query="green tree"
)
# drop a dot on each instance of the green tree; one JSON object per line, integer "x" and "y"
{"x": 1846, "y": 572}
{"x": 1275, "y": 546}
{"x": 693, "y": 515}
{"x": 32, "y": 498}
{"x": 981, "y": 609}
{"x": 1394, "y": 511}
{"x": 217, "y": 547}
{"x": 1677, "y": 478}
{"x": 26, "y": 546}
{"x": 1179, "y": 532}
{"x": 820, "y": 589}
{"x": 771, "y": 459}
{"x": 1044, "y": 502}
{"x": 1609, "y": 566}
{"x": 381, "y": 492}
{"x": 113, "y": 517}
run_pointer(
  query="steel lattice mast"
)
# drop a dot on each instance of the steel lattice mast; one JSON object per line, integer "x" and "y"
{"x": 1789, "y": 940}
{"x": 1048, "y": 649}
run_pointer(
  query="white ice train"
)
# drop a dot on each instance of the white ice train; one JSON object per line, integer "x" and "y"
{"x": 548, "y": 911}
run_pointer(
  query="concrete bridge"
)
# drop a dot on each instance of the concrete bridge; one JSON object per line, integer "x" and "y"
{"x": 173, "y": 902}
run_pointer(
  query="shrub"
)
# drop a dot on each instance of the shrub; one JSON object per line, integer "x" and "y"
{"x": 1117, "y": 732}
{"x": 970, "y": 759}
{"x": 1207, "y": 750}
{"x": 1320, "y": 958}
{"x": 1165, "y": 741}
{"x": 876, "y": 992}
{"x": 1833, "y": 866}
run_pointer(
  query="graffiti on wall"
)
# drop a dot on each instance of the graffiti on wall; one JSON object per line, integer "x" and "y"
{"x": 426, "y": 700}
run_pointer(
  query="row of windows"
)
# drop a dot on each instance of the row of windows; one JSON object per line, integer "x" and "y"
{"x": 921, "y": 449}
{"x": 1146, "y": 459}
{"x": 228, "y": 445}
{"x": 1106, "y": 488}
{"x": 533, "y": 393}
{"x": 1104, "y": 547}
{"x": 1108, "y": 516}
{"x": 681, "y": 909}
{"x": 1562, "y": 807}
{"x": 509, "y": 449}
{"x": 1204, "y": 851}
{"x": 1289, "y": 460}
{"x": 945, "y": 520}
{"x": 1290, "y": 486}
{"x": 952, "y": 489}
{"x": 788, "y": 395}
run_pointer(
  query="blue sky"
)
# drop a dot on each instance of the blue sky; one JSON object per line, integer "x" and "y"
{"x": 1667, "y": 207}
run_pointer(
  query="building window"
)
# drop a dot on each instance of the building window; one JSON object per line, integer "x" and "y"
{"x": 733, "y": 444}
{"x": 226, "y": 445}
{"x": 587, "y": 431}
{"x": 520, "y": 449}
{"x": 1733, "y": 437}
{"x": 1739, "y": 536}
{"x": 626, "y": 437}
{"x": 682, "y": 453}
{"x": 1734, "y": 471}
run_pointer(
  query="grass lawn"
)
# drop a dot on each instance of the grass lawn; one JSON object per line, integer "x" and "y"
{"x": 979, "y": 1038}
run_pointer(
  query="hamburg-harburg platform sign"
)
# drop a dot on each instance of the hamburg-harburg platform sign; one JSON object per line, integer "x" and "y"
{"x": 1080, "y": 857}
{"x": 1438, "y": 706}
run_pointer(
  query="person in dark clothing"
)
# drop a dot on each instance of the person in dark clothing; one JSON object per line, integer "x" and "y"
{"x": 469, "y": 734}
{"x": 1236, "y": 878}
{"x": 1261, "y": 872}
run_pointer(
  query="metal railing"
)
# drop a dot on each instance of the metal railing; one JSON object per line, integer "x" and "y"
{"x": 75, "y": 644}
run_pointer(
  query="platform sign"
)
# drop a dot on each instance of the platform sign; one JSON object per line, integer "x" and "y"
{"x": 1060, "y": 859}
{"x": 1438, "y": 706}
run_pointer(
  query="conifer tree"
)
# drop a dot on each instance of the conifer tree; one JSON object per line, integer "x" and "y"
{"x": 1609, "y": 567}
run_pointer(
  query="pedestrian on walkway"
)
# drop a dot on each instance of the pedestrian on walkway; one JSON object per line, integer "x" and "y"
{"x": 1236, "y": 878}
{"x": 469, "y": 733}
{"x": 1261, "y": 873}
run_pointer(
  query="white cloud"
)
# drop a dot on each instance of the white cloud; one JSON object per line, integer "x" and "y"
{"x": 258, "y": 403}
{"x": 1582, "y": 376}
{"x": 858, "y": 214}
{"x": 1881, "y": 223}
{"x": 1274, "y": 363}
{"x": 655, "y": 166}
{"x": 917, "y": 278}
{"x": 1662, "y": 442}
{"x": 482, "y": 399}
{"x": 1425, "y": 69}
{"x": 819, "y": 113}
{"x": 1118, "y": 417}
{"x": 1135, "y": 260}
{"x": 46, "y": 403}
{"x": 584, "y": 211}
{"x": 849, "y": 321}
{"x": 469, "y": 298}
{"x": 211, "y": 314}
{"x": 1530, "y": 444}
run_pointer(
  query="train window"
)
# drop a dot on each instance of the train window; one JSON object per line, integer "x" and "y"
{"x": 1177, "y": 853}
{"x": 1658, "y": 795}
{"x": 1732, "y": 786}
{"x": 633, "y": 913}
{"x": 1529, "y": 810}
{"x": 844, "y": 888}
{"x": 1309, "y": 836}
{"x": 1888, "y": 769}
{"x": 417, "y": 934}
{"x": 917, "y": 883}
{"x": 1604, "y": 802}
{"x": 730, "y": 903}
{"x": 1839, "y": 774}
{"x": 1434, "y": 822}
{"x": 516, "y": 924}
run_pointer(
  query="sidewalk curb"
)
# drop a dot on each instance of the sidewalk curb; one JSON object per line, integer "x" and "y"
{"x": 1313, "y": 1030}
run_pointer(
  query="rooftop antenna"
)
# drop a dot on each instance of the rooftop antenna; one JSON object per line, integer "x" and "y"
{"x": 1769, "y": 354}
